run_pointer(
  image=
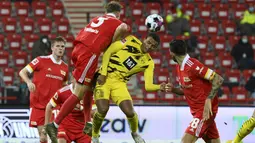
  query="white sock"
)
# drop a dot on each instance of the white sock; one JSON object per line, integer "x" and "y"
{"x": 55, "y": 124}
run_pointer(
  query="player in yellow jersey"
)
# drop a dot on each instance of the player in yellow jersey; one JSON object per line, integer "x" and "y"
{"x": 122, "y": 60}
{"x": 246, "y": 129}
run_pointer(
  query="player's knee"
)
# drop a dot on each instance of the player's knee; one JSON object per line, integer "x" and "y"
{"x": 130, "y": 113}
{"x": 103, "y": 110}
{"x": 43, "y": 138}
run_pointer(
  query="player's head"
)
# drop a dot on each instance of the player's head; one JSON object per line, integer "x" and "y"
{"x": 150, "y": 43}
{"x": 58, "y": 46}
{"x": 113, "y": 7}
{"x": 177, "y": 48}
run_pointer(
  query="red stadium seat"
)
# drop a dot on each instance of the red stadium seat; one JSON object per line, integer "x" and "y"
{"x": 140, "y": 78}
{"x": 57, "y": 9}
{"x": 247, "y": 74}
{"x": 157, "y": 58}
{"x": 202, "y": 44}
{"x": 212, "y": 27}
{"x": 228, "y": 27}
{"x": 188, "y": 9}
{"x": 22, "y": 9}
{"x": 4, "y": 56}
{"x": 205, "y": 11}
{"x": 169, "y": 97}
{"x": 39, "y": 9}
{"x": 128, "y": 21}
{"x": 171, "y": 64}
{"x": 165, "y": 40}
{"x": 62, "y": 26}
{"x": 14, "y": 42}
{"x": 219, "y": 43}
{"x": 30, "y": 39}
{"x": 69, "y": 42}
{"x": 52, "y": 36}
{"x": 233, "y": 76}
{"x": 249, "y": 2}
{"x": 238, "y": 10}
{"x": 150, "y": 96}
{"x": 141, "y": 28}
{"x": 44, "y": 25}
{"x": 1, "y": 42}
{"x": 153, "y": 8}
{"x": 233, "y": 40}
{"x": 240, "y": 94}
{"x": 136, "y": 9}
{"x": 162, "y": 74}
{"x": 10, "y": 25}
{"x": 123, "y": 10}
{"x": 226, "y": 60}
{"x": 20, "y": 58}
{"x": 225, "y": 97}
{"x": 27, "y": 25}
{"x": 168, "y": 7}
{"x": 195, "y": 27}
{"x": 8, "y": 76}
{"x": 5, "y": 9}
{"x": 222, "y": 11}
{"x": 209, "y": 59}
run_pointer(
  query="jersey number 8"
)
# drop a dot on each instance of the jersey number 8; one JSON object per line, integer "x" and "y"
{"x": 100, "y": 22}
{"x": 195, "y": 123}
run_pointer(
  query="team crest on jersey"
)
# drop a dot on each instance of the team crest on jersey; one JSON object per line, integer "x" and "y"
{"x": 63, "y": 72}
{"x": 186, "y": 79}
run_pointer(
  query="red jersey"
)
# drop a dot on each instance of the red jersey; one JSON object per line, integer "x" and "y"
{"x": 48, "y": 76}
{"x": 97, "y": 35}
{"x": 194, "y": 79}
{"x": 74, "y": 120}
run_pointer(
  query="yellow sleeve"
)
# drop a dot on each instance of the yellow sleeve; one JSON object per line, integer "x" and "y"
{"x": 148, "y": 78}
{"x": 114, "y": 47}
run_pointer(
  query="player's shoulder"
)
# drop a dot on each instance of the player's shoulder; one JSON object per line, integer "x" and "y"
{"x": 64, "y": 63}
{"x": 133, "y": 39}
{"x": 193, "y": 63}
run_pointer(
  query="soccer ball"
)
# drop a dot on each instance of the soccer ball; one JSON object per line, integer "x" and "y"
{"x": 154, "y": 22}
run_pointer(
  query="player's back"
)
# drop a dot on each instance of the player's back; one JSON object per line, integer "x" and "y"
{"x": 97, "y": 35}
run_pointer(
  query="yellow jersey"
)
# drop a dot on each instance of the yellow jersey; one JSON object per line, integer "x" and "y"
{"x": 125, "y": 58}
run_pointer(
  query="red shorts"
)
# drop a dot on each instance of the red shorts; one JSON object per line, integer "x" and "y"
{"x": 73, "y": 135}
{"x": 202, "y": 129}
{"x": 36, "y": 117}
{"x": 85, "y": 63}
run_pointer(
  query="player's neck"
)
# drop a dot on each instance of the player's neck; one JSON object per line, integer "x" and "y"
{"x": 57, "y": 58}
{"x": 180, "y": 59}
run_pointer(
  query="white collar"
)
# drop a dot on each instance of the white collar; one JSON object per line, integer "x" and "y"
{"x": 71, "y": 88}
{"x": 54, "y": 60}
{"x": 184, "y": 61}
{"x": 111, "y": 14}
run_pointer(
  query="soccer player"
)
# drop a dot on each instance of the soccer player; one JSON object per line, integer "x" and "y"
{"x": 50, "y": 73}
{"x": 199, "y": 84}
{"x": 88, "y": 45}
{"x": 123, "y": 59}
{"x": 71, "y": 127}
{"x": 246, "y": 129}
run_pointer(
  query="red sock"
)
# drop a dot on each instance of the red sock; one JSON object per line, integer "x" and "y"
{"x": 67, "y": 108}
{"x": 87, "y": 106}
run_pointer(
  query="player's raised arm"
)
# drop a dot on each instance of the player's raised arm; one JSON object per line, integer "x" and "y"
{"x": 121, "y": 31}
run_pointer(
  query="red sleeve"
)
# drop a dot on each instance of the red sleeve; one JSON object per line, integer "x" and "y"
{"x": 201, "y": 71}
{"x": 34, "y": 65}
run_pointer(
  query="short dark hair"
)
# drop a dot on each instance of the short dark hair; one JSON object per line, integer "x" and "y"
{"x": 58, "y": 39}
{"x": 154, "y": 36}
{"x": 113, "y": 6}
{"x": 179, "y": 47}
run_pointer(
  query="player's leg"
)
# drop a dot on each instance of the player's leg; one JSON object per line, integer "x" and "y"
{"x": 101, "y": 95}
{"x": 212, "y": 134}
{"x": 42, "y": 134}
{"x": 246, "y": 129}
{"x": 188, "y": 138}
{"x": 62, "y": 140}
{"x": 122, "y": 98}
{"x": 63, "y": 135}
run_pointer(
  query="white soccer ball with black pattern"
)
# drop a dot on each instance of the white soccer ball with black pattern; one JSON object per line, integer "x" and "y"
{"x": 154, "y": 22}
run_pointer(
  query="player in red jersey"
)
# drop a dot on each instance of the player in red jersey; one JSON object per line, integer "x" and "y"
{"x": 49, "y": 74}
{"x": 89, "y": 43}
{"x": 71, "y": 127}
{"x": 199, "y": 84}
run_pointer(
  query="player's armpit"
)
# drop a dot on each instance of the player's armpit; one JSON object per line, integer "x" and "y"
{"x": 148, "y": 79}
{"x": 114, "y": 47}
{"x": 216, "y": 81}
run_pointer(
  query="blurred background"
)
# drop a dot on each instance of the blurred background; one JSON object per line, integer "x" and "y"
{"x": 220, "y": 33}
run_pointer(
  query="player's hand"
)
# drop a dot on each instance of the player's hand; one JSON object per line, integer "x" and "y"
{"x": 207, "y": 110}
{"x": 31, "y": 86}
{"x": 165, "y": 87}
{"x": 101, "y": 79}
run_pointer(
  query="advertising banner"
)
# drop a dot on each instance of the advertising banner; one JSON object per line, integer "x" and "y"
{"x": 157, "y": 124}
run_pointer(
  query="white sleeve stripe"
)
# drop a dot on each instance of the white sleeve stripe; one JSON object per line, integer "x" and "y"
{"x": 29, "y": 69}
{"x": 208, "y": 74}
{"x": 53, "y": 103}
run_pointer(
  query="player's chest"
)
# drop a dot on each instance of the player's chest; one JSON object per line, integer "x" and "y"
{"x": 185, "y": 79}
{"x": 134, "y": 62}
{"x": 54, "y": 70}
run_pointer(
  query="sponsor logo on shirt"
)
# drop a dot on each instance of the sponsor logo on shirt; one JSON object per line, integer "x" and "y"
{"x": 63, "y": 72}
{"x": 91, "y": 30}
{"x": 54, "y": 76}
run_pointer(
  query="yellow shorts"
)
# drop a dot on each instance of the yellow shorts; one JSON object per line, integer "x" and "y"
{"x": 112, "y": 89}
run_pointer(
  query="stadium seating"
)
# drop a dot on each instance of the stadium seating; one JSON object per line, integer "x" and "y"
{"x": 45, "y": 26}
{"x": 22, "y": 9}
{"x": 4, "y": 56}
{"x": 9, "y": 25}
{"x": 39, "y": 9}
{"x": 27, "y": 25}
{"x": 30, "y": 39}
{"x": 14, "y": 41}
{"x": 1, "y": 42}
{"x": 8, "y": 76}
{"x": 5, "y": 9}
